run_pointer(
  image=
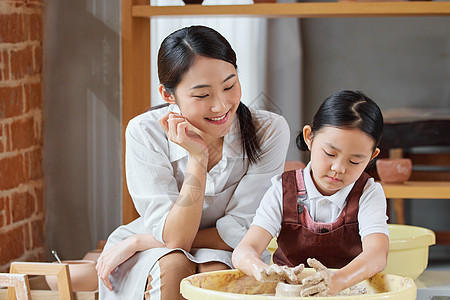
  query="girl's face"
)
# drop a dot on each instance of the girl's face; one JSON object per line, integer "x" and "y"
{"x": 209, "y": 95}
{"x": 338, "y": 156}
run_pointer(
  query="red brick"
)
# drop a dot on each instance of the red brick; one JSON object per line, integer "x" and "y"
{"x": 11, "y": 28}
{"x": 11, "y": 102}
{"x": 39, "y": 194}
{"x": 38, "y": 60}
{"x": 21, "y": 62}
{"x": 12, "y": 244}
{"x": 33, "y": 164}
{"x": 5, "y": 212}
{"x": 2, "y": 139}
{"x": 2, "y": 212}
{"x": 4, "y": 65}
{"x": 37, "y": 232}
{"x": 27, "y": 237}
{"x": 23, "y": 206}
{"x": 33, "y": 95}
{"x": 22, "y": 133}
{"x": 12, "y": 168}
{"x": 35, "y": 21}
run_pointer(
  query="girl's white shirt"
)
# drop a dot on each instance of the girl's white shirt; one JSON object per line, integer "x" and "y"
{"x": 156, "y": 168}
{"x": 326, "y": 209}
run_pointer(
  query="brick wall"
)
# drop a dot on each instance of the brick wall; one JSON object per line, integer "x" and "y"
{"x": 21, "y": 132}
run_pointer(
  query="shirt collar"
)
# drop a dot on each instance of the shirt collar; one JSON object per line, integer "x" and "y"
{"x": 232, "y": 146}
{"x": 337, "y": 198}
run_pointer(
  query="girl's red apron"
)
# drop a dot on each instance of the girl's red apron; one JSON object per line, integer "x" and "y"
{"x": 333, "y": 244}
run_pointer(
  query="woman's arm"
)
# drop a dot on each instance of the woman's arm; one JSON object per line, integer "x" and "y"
{"x": 183, "y": 220}
{"x": 116, "y": 255}
{"x": 371, "y": 261}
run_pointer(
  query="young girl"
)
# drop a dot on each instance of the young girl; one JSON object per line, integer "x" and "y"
{"x": 196, "y": 170}
{"x": 331, "y": 210}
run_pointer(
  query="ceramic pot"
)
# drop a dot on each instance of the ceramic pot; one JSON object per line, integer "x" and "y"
{"x": 192, "y": 1}
{"x": 394, "y": 170}
{"x": 287, "y": 290}
{"x": 83, "y": 276}
{"x": 92, "y": 255}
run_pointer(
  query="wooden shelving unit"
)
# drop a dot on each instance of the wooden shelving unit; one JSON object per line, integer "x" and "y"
{"x": 136, "y": 15}
{"x": 418, "y": 190}
{"x": 302, "y": 10}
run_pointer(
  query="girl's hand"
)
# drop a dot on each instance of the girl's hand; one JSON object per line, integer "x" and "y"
{"x": 276, "y": 273}
{"x": 318, "y": 284}
{"x": 111, "y": 258}
{"x": 179, "y": 130}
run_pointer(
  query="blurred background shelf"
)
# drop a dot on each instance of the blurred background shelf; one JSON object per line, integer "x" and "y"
{"x": 418, "y": 190}
{"x": 302, "y": 10}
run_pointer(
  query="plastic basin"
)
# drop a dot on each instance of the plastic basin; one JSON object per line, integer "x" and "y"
{"x": 233, "y": 284}
{"x": 408, "y": 250}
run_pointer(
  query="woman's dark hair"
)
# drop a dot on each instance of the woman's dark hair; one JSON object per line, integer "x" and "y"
{"x": 347, "y": 109}
{"x": 177, "y": 54}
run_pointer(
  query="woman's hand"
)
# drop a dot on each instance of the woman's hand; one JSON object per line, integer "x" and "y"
{"x": 179, "y": 130}
{"x": 111, "y": 258}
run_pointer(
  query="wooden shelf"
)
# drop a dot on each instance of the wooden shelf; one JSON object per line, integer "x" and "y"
{"x": 418, "y": 190}
{"x": 302, "y": 10}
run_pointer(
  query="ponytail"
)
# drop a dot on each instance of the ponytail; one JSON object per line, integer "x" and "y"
{"x": 250, "y": 144}
{"x": 300, "y": 141}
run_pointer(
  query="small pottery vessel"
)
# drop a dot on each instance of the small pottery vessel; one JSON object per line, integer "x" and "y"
{"x": 192, "y": 1}
{"x": 287, "y": 290}
{"x": 92, "y": 255}
{"x": 83, "y": 276}
{"x": 394, "y": 170}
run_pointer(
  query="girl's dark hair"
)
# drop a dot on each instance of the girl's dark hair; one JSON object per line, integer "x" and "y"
{"x": 177, "y": 54}
{"x": 347, "y": 109}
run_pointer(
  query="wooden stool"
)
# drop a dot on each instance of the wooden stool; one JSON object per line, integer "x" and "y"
{"x": 18, "y": 282}
{"x": 407, "y": 128}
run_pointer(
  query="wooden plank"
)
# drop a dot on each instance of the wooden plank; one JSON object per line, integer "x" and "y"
{"x": 135, "y": 82}
{"x": 35, "y": 268}
{"x": 418, "y": 190}
{"x": 303, "y": 10}
{"x": 54, "y": 295}
{"x": 442, "y": 237}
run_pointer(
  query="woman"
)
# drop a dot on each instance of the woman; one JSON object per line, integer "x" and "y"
{"x": 196, "y": 170}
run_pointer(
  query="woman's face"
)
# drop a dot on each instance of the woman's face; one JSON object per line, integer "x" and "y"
{"x": 209, "y": 95}
{"x": 338, "y": 156}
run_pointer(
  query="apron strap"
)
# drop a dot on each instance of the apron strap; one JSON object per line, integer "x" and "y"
{"x": 352, "y": 207}
{"x": 289, "y": 182}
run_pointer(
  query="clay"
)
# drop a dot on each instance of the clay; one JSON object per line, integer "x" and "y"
{"x": 276, "y": 273}
{"x": 394, "y": 170}
{"x": 316, "y": 285}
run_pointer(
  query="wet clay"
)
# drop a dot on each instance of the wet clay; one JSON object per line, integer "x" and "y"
{"x": 316, "y": 285}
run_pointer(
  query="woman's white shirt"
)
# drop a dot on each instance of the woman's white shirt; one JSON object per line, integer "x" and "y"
{"x": 156, "y": 168}
{"x": 326, "y": 209}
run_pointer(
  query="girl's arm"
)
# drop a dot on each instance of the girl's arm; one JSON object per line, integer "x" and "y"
{"x": 246, "y": 256}
{"x": 114, "y": 256}
{"x": 371, "y": 261}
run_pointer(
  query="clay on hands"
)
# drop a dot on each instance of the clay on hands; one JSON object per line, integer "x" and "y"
{"x": 317, "y": 284}
{"x": 276, "y": 273}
